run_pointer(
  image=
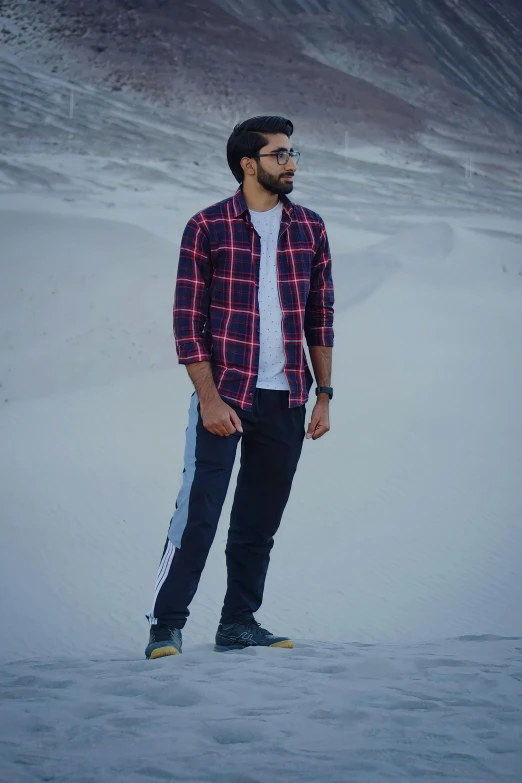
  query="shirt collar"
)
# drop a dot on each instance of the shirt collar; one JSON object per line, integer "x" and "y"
{"x": 239, "y": 205}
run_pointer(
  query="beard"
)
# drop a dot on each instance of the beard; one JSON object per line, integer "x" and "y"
{"x": 272, "y": 183}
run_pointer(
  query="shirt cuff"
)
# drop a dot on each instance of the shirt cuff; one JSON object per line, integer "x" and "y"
{"x": 320, "y": 335}
{"x": 191, "y": 351}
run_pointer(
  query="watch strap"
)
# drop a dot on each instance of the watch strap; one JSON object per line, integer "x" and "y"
{"x": 324, "y": 390}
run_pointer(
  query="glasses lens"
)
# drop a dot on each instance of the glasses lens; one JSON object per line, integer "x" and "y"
{"x": 282, "y": 157}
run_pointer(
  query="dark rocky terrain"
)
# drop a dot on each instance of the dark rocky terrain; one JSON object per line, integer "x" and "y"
{"x": 375, "y": 67}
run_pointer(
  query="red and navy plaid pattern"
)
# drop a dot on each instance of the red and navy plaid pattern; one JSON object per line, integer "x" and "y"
{"x": 216, "y": 311}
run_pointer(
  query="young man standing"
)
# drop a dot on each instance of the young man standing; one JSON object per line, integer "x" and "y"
{"x": 254, "y": 276}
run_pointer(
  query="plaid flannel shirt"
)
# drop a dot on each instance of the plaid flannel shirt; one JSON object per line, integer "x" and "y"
{"x": 216, "y": 309}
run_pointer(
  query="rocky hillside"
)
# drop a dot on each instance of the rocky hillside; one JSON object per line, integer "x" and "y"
{"x": 371, "y": 67}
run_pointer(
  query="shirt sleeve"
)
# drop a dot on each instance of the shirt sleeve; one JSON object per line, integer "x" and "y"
{"x": 192, "y": 295}
{"x": 319, "y": 313}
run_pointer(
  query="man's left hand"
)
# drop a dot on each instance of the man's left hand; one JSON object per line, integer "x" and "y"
{"x": 320, "y": 423}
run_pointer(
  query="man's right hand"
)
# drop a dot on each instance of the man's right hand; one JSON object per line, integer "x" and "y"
{"x": 219, "y": 418}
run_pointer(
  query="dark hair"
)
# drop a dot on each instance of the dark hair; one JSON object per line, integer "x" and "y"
{"x": 247, "y": 139}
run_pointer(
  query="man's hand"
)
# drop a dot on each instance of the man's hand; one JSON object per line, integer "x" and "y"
{"x": 219, "y": 418}
{"x": 320, "y": 423}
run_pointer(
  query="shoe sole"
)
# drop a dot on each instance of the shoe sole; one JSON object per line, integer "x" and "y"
{"x": 161, "y": 652}
{"x": 287, "y": 644}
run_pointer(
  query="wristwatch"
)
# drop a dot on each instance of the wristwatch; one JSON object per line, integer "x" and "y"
{"x": 326, "y": 389}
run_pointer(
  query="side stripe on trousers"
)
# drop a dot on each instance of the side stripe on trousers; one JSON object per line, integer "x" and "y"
{"x": 179, "y": 519}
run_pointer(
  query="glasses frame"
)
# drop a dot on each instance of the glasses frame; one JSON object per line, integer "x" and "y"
{"x": 294, "y": 154}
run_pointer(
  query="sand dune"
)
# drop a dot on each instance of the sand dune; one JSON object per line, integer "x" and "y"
{"x": 397, "y": 566}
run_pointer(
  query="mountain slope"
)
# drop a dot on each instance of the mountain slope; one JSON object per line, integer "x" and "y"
{"x": 475, "y": 44}
{"x": 378, "y": 67}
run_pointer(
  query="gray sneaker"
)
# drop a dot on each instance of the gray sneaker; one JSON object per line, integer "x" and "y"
{"x": 237, "y": 636}
{"x": 163, "y": 641}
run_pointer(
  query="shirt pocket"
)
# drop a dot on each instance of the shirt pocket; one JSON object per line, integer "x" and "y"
{"x": 233, "y": 280}
{"x": 294, "y": 276}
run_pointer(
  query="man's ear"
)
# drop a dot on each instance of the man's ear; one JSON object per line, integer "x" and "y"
{"x": 247, "y": 164}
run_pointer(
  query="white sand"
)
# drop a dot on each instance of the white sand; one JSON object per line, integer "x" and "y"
{"x": 397, "y": 567}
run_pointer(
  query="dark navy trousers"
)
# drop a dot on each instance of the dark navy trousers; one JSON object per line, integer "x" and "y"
{"x": 271, "y": 445}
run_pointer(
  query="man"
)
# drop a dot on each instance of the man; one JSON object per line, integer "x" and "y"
{"x": 254, "y": 276}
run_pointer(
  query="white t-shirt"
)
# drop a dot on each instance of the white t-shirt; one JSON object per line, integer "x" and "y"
{"x": 272, "y": 358}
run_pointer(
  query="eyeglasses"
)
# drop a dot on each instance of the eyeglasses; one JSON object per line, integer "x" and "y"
{"x": 282, "y": 156}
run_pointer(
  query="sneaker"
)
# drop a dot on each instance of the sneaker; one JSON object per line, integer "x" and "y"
{"x": 237, "y": 636}
{"x": 163, "y": 641}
